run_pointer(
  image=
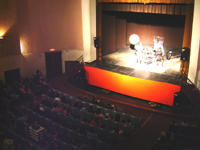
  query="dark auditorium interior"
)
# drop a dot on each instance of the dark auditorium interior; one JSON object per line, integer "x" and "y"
{"x": 99, "y": 74}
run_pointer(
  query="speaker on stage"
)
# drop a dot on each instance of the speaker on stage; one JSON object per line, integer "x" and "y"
{"x": 97, "y": 43}
{"x": 185, "y": 53}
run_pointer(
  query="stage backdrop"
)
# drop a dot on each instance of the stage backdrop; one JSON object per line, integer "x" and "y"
{"x": 135, "y": 87}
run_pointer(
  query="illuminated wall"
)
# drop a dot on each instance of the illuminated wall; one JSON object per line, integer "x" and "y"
{"x": 194, "y": 73}
{"x": 32, "y": 27}
{"x": 9, "y": 28}
{"x": 50, "y": 24}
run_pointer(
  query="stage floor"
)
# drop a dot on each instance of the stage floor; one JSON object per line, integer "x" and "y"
{"x": 123, "y": 61}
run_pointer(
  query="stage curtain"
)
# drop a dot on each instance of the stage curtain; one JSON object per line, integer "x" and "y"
{"x": 120, "y": 39}
{"x": 108, "y": 33}
{"x": 173, "y": 36}
{"x": 150, "y": 8}
{"x": 135, "y": 87}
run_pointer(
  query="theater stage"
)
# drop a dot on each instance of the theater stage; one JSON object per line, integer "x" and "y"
{"x": 119, "y": 72}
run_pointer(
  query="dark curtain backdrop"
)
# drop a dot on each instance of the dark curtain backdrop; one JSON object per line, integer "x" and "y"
{"x": 131, "y": 29}
{"x": 108, "y": 34}
{"x": 115, "y": 31}
{"x": 173, "y": 36}
{"x": 120, "y": 39}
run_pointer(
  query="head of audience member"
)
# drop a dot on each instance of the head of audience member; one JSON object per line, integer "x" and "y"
{"x": 90, "y": 109}
{"x": 117, "y": 118}
{"x": 98, "y": 111}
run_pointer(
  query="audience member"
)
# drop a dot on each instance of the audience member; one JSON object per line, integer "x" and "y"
{"x": 107, "y": 116}
{"x": 117, "y": 118}
{"x": 56, "y": 108}
{"x": 90, "y": 109}
{"x": 118, "y": 130}
{"x": 96, "y": 122}
{"x": 92, "y": 134}
{"x": 98, "y": 113}
{"x": 184, "y": 123}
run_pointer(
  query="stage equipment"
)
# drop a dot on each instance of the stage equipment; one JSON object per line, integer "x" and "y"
{"x": 97, "y": 43}
{"x": 134, "y": 39}
{"x": 169, "y": 55}
{"x": 185, "y": 53}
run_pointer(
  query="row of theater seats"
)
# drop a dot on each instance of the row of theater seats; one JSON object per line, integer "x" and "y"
{"x": 110, "y": 124}
{"x": 184, "y": 130}
{"x": 75, "y": 124}
{"x": 179, "y": 137}
{"x": 180, "y": 142}
{"x": 24, "y": 143}
{"x": 136, "y": 121}
{"x": 73, "y": 138}
{"x": 18, "y": 135}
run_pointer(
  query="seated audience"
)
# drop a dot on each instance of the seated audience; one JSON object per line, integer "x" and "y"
{"x": 118, "y": 130}
{"x": 98, "y": 113}
{"x": 90, "y": 109}
{"x": 96, "y": 122}
{"x": 56, "y": 108}
{"x": 117, "y": 118}
{"x": 92, "y": 134}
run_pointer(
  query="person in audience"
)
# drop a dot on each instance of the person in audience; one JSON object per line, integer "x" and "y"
{"x": 69, "y": 113}
{"x": 51, "y": 93}
{"x": 109, "y": 106}
{"x": 107, "y": 116}
{"x": 184, "y": 123}
{"x": 96, "y": 122}
{"x": 82, "y": 130}
{"x": 64, "y": 110}
{"x": 85, "y": 99}
{"x": 53, "y": 133}
{"x": 70, "y": 103}
{"x": 98, "y": 113}
{"x": 76, "y": 104}
{"x": 85, "y": 146}
{"x": 102, "y": 103}
{"x": 92, "y": 134}
{"x": 103, "y": 126}
{"x": 116, "y": 108}
{"x": 93, "y": 100}
{"x": 56, "y": 108}
{"x": 29, "y": 91}
{"x": 117, "y": 130}
{"x": 117, "y": 118}
{"x": 90, "y": 109}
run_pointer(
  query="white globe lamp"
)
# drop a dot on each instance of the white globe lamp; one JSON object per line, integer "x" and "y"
{"x": 134, "y": 39}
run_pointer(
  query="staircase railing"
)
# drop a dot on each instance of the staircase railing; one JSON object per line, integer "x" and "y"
{"x": 191, "y": 91}
{"x": 75, "y": 67}
{"x": 80, "y": 60}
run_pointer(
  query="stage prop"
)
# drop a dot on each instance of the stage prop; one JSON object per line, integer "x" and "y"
{"x": 154, "y": 91}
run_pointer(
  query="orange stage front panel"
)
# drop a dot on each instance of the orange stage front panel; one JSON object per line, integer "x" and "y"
{"x": 135, "y": 87}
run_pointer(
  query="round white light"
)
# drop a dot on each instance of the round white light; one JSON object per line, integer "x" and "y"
{"x": 134, "y": 39}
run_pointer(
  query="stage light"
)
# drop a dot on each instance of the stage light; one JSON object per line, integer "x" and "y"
{"x": 134, "y": 39}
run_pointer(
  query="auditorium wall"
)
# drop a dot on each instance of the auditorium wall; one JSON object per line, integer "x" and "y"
{"x": 28, "y": 64}
{"x": 50, "y": 24}
{"x": 37, "y": 26}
